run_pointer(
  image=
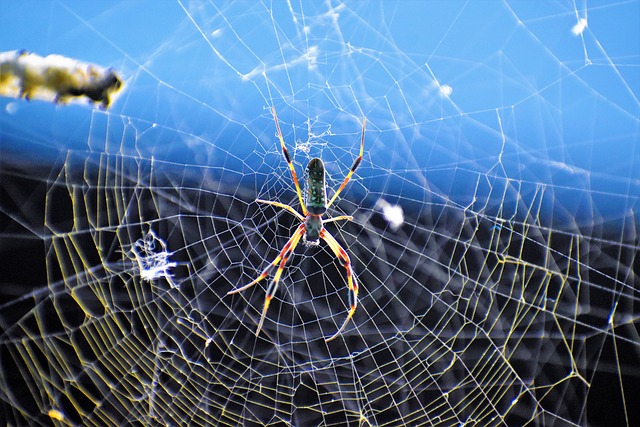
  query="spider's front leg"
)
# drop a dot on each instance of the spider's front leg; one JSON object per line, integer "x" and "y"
{"x": 281, "y": 259}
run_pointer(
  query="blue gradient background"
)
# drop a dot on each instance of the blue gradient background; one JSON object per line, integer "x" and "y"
{"x": 564, "y": 107}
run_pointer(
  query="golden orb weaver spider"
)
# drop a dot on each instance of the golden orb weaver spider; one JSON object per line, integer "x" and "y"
{"x": 312, "y": 227}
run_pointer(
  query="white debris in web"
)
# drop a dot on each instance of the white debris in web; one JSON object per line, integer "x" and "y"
{"x": 152, "y": 257}
{"x": 392, "y": 213}
{"x": 56, "y": 78}
{"x": 579, "y": 27}
{"x": 446, "y": 90}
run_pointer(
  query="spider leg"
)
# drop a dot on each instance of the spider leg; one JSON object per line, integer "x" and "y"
{"x": 273, "y": 286}
{"x": 353, "y": 168}
{"x": 352, "y": 282}
{"x": 338, "y": 218}
{"x": 287, "y": 157}
{"x": 283, "y": 206}
{"x": 287, "y": 247}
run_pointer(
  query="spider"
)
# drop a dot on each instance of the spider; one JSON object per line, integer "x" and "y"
{"x": 311, "y": 230}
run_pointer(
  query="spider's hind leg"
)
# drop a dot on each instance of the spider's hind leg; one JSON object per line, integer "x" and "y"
{"x": 281, "y": 261}
{"x": 273, "y": 286}
{"x": 352, "y": 282}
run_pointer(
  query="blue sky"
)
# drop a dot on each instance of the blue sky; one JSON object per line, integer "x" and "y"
{"x": 450, "y": 88}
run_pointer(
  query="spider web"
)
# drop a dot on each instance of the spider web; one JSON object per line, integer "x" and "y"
{"x": 494, "y": 234}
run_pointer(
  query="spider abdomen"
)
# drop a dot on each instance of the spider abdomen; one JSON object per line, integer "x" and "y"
{"x": 316, "y": 190}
